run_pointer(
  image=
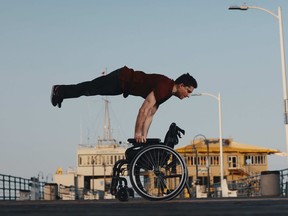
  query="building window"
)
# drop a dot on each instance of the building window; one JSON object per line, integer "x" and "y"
{"x": 202, "y": 160}
{"x": 255, "y": 159}
{"x": 86, "y": 160}
{"x": 214, "y": 160}
{"x": 111, "y": 160}
{"x": 232, "y": 161}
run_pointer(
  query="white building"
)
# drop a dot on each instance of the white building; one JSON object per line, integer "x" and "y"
{"x": 95, "y": 164}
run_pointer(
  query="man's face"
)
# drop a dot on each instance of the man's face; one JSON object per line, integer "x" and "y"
{"x": 184, "y": 91}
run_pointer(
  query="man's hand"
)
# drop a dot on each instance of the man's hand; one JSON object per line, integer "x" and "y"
{"x": 140, "y": 138}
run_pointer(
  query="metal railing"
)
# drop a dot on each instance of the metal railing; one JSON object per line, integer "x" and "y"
{"x": 247, "y": 187}
{"x": 13, "y": 188}
{"x": 17, "y": 188}
{"x": 284, "y": 182}
{"x": 251, "y": 186}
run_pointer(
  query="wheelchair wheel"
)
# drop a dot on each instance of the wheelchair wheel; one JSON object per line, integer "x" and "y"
{"x": 158, "y": 173}
{"x": 123, "y": 194}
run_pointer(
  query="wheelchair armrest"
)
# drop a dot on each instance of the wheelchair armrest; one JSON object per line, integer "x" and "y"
{"x": 148, "y": 141}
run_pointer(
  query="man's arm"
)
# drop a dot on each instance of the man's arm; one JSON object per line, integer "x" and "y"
{"x": 148, "y": 121}
{"x": 144, "y": 118}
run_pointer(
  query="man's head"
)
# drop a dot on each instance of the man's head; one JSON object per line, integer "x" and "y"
{"x": 184, "y": 86}
{"x": 186, "y": 80}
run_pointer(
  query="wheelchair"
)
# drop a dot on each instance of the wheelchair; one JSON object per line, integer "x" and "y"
{"x": 156, "y": 171}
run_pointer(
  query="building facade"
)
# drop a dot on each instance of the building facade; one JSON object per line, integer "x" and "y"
{"x": 95, "y": 164}
{"x": 239, "y": 160}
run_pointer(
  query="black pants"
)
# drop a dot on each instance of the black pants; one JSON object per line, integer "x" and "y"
{"x": 104, "y": 85}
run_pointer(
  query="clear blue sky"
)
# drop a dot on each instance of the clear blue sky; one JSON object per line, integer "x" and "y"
{"x": 43, "y": 43}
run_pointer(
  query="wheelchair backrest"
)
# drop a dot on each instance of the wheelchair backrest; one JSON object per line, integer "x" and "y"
{"x": 173, "y": 135}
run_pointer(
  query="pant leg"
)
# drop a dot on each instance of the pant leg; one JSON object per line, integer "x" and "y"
{"x": 104, "y": 85}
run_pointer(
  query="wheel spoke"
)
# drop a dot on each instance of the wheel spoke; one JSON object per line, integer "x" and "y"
{"x": 158, "y": 173}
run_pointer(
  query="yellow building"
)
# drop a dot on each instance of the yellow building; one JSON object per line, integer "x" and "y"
{"x": 239, "y": 160}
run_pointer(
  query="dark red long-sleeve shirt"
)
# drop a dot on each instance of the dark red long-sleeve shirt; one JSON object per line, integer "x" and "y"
{"x": 138, "y": 83}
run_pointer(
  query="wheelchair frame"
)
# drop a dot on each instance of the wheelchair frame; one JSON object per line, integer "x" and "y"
{"x": 156, "y": 171}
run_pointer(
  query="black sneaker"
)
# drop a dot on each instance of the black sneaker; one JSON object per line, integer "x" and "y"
{"x": 56, "y": 97}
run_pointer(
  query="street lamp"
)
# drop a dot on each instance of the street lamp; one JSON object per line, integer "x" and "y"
{"x": 40, "y": 174}
{"x": 196, "y": 159}
{"x": 51, "y": 177}
{"x": 206, "y": 142}
{"x": 283, "y": 64}
{"x": 218, "y": 98}
{"x": 93, "y": 174}
{"x": 104, "y": 167}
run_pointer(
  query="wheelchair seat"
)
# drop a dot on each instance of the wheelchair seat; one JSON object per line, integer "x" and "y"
{"x": 149, "y": 141}
{"x": 131, "y": 152}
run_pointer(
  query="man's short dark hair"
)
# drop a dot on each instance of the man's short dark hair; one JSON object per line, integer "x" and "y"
{"x": 187, "y": 80}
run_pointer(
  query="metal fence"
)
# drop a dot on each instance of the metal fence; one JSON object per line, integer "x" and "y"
{"x": 284, "y": 182}
{"x": 15, "y": 188}
{"x": 252, "y": 186}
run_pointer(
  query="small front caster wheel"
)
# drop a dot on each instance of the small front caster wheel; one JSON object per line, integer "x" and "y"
{"x": 123, "y": 194}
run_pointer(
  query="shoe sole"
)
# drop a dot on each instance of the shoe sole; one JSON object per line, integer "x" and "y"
{"x": 54, "y": 103}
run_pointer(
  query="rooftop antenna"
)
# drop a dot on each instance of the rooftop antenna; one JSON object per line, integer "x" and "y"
{"x": 106, "y": 126}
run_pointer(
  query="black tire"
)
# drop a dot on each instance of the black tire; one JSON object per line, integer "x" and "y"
{"x": 158, "y": 173}
{"x": 123, "y": 194}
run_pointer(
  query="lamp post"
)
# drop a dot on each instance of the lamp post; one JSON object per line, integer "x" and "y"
{"x": 40, "y": 174}
{"x": 208, "y": 166}
{"x": 196, "y": 160}
{"x": 218, "y": 98}
{"x": 206, "y": 142}
{"x": 51, "y": 177}
{"x": 93, "y": 174}
{"x": 283, "y": 64}
{"x": 104, "y": 167}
